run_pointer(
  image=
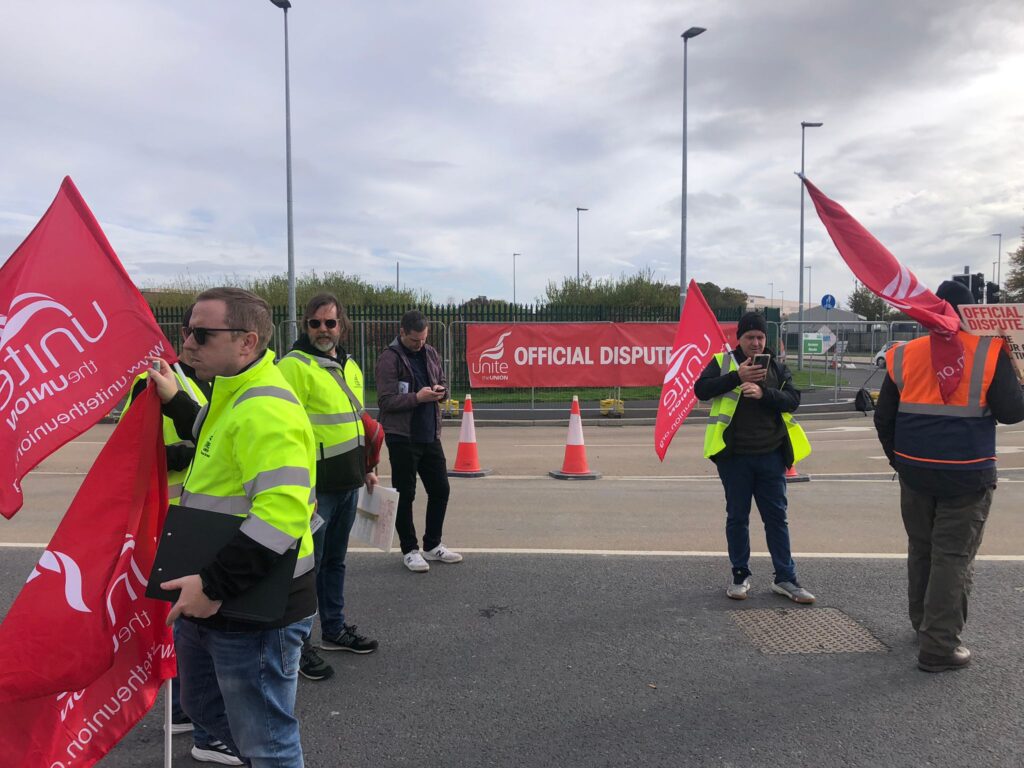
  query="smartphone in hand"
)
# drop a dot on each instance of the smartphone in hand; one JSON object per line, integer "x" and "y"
{"x": 761, "y": 361}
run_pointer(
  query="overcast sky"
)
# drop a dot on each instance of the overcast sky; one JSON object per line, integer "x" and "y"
{"x": 448, "y": 135}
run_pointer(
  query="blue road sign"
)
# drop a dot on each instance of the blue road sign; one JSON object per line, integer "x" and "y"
{"x": 828, "y": 301}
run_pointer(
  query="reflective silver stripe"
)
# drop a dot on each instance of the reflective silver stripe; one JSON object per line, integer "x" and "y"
{"x": 225, "y": 505}
{"x": 323, "y": 362}
{"x": 340, "y": 448}
{"x": 897, "y": 367}
{"x": 327, "y": 419}
{"x": 274, "y": 478}
{"x": 174, "y": 491}
{"x": 732, "y": 394}
{"x": 303, "y": 565}
{"x": 264, "y": 533}
{"x": 312, "y": 495}
{"x": 340, "y": 378}
{"x": 938, "y": 409}
{"x": 720, "y": 419}
{"x": 978, "y": 371}
{"x": 197, "y": 426}
{"x": 279, "y": 392}
{"x": 300, "y": 357}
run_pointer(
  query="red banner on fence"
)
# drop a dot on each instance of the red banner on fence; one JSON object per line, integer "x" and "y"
{"x": 571, "y": 354}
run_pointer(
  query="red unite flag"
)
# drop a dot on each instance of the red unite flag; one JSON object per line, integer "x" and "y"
{"x": 698, "y": 339}
{"x": 873, "y": 264}
{"x": 83, "y": 651}
{"x": 74, "y": 333}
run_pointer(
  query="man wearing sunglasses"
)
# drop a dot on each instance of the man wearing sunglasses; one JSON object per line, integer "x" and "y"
{"x": 255, "y": 460}
{"x": 329, "y": 385}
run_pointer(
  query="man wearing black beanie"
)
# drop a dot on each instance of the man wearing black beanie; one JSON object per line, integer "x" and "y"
{"x": 753, "y": 439}
{"x": 945, "y": 454}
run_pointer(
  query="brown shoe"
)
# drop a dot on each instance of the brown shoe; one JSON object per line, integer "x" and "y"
{"x": 959, "y": 659}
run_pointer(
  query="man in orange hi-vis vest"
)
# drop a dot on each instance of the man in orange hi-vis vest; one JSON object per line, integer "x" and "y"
{"x": 945, "y": 454}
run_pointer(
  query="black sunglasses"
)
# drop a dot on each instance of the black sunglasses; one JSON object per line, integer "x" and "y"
{"x": 202, "y": 334}
{"x": 314, "y": 323}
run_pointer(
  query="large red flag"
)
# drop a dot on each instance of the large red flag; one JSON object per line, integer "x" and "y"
{"x": 83, "y": 651}
{"x": 74, "y": 332}
{"x": 698, "y": 338}
{"x": 878, "y": 269}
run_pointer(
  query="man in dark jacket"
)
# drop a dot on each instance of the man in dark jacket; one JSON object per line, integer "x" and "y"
{"x": 752, "y": 439}
{"x": 410, "y": 386}
{"x": 944, "y": 452}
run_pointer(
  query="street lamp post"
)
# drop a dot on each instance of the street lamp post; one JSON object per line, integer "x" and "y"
{"x": 578, "y": 209}
{"x": 809, "y": 294}
{"x": 514, "y": 277}
{"x": 292, "y": 333}
{"x": 999, "y": 257}
{"x": 804, "y": 125}
{"x": 691, "y": 32}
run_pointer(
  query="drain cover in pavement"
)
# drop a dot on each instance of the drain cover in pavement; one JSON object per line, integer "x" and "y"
{"x": 807, "y": 630}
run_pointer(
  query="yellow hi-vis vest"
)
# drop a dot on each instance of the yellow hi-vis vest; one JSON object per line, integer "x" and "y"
{"x": 723, "y": 408}
{"x": 175, "y": 477}
{"x": 332, "y": 395}
{"x": 254, "y": 458}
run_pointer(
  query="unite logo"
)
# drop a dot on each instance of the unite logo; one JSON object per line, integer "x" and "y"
{"x": 58, "y": 562}
{"x": 490, "y": 364}
{"x": 50, "y": 359}
{"x": 684, "y": 367}
{"x": 903, "y": 286}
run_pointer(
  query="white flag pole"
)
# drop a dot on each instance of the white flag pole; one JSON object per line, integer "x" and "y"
{"x": 167, "y": 726}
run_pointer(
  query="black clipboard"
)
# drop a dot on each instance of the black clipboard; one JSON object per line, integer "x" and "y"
{"x": 190, "y": 541}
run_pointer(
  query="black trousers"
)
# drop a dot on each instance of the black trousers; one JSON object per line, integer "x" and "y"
{"x": 428, "y": 462}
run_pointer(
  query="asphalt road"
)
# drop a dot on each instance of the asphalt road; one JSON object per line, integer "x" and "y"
{"x": 589, "y": 627}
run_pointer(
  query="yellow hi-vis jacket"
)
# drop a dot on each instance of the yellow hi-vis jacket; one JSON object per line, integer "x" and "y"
{"x": 332, "y": 394}
{"x": 254, "y": 458}
{"x": 723, "y": 408}
{"x": 175, "y": 477}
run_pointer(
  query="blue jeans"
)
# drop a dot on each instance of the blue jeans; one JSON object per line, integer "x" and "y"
{"x": 199, "y": 737}
{"x": 330, "y": 545}
{"x": 762, "y": 478}
{"x": 240, "y": 687}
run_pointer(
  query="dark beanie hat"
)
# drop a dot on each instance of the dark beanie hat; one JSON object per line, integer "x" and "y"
{"x": 752, "y": 321}
{"x": 955, "y": 293}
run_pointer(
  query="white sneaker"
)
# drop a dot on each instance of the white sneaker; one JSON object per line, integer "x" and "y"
{"x": 442, "y": 553}
{"x": 738, "y": 591}
{"x": 414, "y": 562}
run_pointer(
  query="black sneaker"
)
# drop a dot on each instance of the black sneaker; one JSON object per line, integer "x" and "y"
{"x": 181, "y": 724}
{"x": 349, "y": 640}
{"x": 312, "y": 667}
{"x": 215, "y": 752}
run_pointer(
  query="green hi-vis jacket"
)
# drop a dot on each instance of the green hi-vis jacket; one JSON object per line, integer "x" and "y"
{"x": 175, "y": 477}
{"x": 254, "y": 458}
{"x": 331, "y": 391}
{"x": 723, "y": 408}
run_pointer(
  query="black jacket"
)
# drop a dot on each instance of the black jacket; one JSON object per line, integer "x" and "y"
{"x": 785, "y": 398}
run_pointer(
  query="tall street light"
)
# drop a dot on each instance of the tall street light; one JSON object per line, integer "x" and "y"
{"x": 691, "y": 32}
{"x": 804, "y": 125}
{"x": 514, "y": 276}
{"x": 292, "y": 333}
{"x": 999, "y": 257}
{"x": 578, "y": 242}
{"x": 771, "y": 301}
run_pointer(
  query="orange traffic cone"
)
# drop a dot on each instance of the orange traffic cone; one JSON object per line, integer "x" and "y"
{"x": 792, "y": 476}
{"x": 574, "y": 465}
{"x": 467, "y": 463}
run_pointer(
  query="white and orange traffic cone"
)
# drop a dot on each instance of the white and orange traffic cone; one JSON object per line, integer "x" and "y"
{"x": 467, "y": 462}
{"x": 574, "y": 465}
{"x": 792, "y": 476}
